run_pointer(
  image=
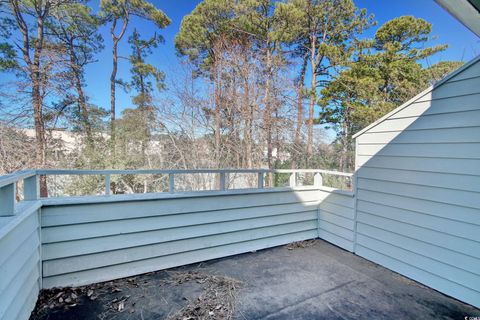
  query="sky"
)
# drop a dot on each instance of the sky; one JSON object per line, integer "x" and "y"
{"x": 463, "y": 44}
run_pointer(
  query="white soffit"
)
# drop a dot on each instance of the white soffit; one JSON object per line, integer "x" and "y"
{"x": 466, "y": 11}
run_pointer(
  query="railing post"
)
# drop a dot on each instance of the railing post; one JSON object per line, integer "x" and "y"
{"x": 260, "y": 180}
{"x": 107, "y": 184}
{"x": 31, "y": 188}
{"x": 293, "y": 179}
{"x": 7, "y": 200}
{"x": 171, "y": 183}
{"x": 222, "y": 181}
{"x": 317, "y": 180}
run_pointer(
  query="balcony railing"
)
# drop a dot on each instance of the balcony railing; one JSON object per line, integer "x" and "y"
{"x": 24, "y": 185}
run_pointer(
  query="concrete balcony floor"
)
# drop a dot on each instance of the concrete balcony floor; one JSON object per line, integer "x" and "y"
{"x": 313, "y": 280}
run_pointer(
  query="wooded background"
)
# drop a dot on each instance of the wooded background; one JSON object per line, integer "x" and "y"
{"x": 261, "y": 83}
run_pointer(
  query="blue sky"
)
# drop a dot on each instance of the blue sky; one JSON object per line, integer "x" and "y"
{"x": 463, "y": 44}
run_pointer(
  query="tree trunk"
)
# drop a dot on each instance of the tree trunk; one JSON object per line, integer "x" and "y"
{"x": 248, "y": 124}
{"x": 143, "y": 103}
{"x": 37, "y": 100}
{"x": 82, "y": 102}
{"x": 34, "y": 70}
{"x": 217, "y": 111}
{"x": 313, "y": 95}
{"x": 298, "y": 129}
{"x": 113, "y": 80}
{"x": 268, "y": 114}
{"x": 40, "y": 140}
{"x": 310, "y": 117}
{"x": 112, "y": 101}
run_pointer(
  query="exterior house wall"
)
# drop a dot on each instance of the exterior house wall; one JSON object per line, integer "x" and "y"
{"x": 418, "y": 187}
{"x": 20, "y": 266}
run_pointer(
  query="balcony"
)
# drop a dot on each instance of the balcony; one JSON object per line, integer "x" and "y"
{"x": 89, "y": 244}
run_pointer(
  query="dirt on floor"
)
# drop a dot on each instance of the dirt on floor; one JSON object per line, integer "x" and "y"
{"x": 300, "y": 244}
{"x": 213, "y": 297}
{"x": 217, "y": 300}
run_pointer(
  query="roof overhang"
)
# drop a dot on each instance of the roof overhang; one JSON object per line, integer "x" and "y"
{"x": 466, "y": 11}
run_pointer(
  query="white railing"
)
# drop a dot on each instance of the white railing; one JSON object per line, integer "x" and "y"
{"x": 8, "y": 190}
{"x": 30, "y": 179}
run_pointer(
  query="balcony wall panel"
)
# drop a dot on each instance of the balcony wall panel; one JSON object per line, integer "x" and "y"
{"x": 85, "y": 242}
{"x": 20, "y": 266}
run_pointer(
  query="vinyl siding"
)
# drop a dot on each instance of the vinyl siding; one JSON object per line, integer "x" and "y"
{"x": 418, "y": 188}
{"x": 20, "y": 265}
{"x": 86, "y": 243}
{"x": 336, "y": 219}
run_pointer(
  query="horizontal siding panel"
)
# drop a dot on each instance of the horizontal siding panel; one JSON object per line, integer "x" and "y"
{"x": 446, "y": 135}
{"x": 461, "y": 245}
{"x": 340, "y": 210}
{"x": 446, "y": 180}
{"x": 448, "y": 272}
{"x": 93, "y": 245}
{"x": 468, "y": 215}
{"x": 12, "y": 240}
{"x": 17, "y": 290}
{"x": 143, "y": 266}
{"x": 335, "y": 229}
{"x": 25, "y": 254}
{"x": 102, "y": 229}
{"x": 24, "y": 309}
{"x": 444, "y": 150}
{"x": 92, "y": 261}
{"x": 17, "y": 284}
{"x": 437, "y": 121}
{"x": 336, "y": 240}
{"x": 452, "y": 227}
{"x": 457, "y": 166}
{"x": 22, "y": 301}
{"x": 451, "y": 196}
{"x": 335, "y": 219}
{"x": 425, "y": 277}
{"x": 87, "y": 213}
{"x": 470, "y": 85}
{"x": 447, "y": 105}
{"x": 432, "y": 251}
{"x": 470, "y": 72}
{"x": 338, "y": 199}
{"x": 20, "y": 265}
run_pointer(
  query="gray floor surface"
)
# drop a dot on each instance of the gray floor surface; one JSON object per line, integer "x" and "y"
{"x": 317, "y": 282}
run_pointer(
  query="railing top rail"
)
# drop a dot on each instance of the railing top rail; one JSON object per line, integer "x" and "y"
{"x": 32, "y": 178}
{"x": 188, "y": 171}
{"x": 337, "y": 173}
{"x": 16, "y": 176}
{"x": 145, "y": 171}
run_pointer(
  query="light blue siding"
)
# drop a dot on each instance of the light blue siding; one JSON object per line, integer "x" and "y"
{"x": 20, "y": 266}
{"x": 87, "y": 242}
{"x": 418, "y": 191}
{"x": 336, "y": 216}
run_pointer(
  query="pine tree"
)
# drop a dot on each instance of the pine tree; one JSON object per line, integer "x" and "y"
{"x": 120, "y": 12}
{"x": 142, "y": 73}
{"x": 322, "y": 32}
{"x": 383, "y": 72}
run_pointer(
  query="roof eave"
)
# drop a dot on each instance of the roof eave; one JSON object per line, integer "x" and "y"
{"x": 464, "y": 11}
